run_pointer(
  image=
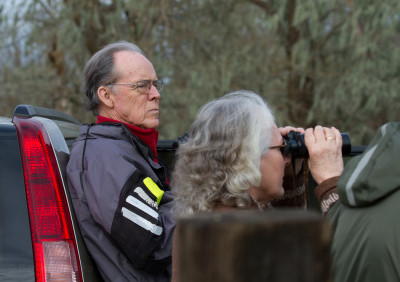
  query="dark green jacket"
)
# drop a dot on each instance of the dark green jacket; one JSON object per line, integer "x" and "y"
{"x": 366, "y": 219}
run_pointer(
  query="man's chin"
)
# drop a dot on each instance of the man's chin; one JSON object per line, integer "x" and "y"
{"x": 154, "y": 124}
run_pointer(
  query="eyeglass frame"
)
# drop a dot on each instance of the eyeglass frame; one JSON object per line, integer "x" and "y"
{"x": 135, "y": 86}
{"x": 281, "y": 148}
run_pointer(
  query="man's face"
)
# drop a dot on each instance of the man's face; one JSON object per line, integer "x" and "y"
{"x": 130, "y": 106}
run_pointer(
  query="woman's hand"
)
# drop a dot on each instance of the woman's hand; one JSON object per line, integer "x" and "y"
{"x": 285, "y": 130}
{"x": 325, "y": 152}
{"x": 298, "y": 162}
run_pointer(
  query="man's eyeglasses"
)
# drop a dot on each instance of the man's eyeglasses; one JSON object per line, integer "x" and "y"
{"x": 282, "y": 148}
{"x": 143, "y": 86}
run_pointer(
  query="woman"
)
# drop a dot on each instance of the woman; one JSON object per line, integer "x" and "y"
{"x": 236, "y": 158}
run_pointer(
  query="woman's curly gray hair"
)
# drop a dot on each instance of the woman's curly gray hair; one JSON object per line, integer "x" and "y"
{"x": 221, "y": 159}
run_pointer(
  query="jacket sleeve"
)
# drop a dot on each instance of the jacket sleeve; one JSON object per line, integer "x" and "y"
{"x": 143, "y": 224}
{"x": 327, "y": 194}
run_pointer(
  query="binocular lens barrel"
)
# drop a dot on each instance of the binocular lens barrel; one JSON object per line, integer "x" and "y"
{"x": 296, "y": 145}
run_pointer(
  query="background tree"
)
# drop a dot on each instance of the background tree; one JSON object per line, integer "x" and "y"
{"x": 315, "y": 61}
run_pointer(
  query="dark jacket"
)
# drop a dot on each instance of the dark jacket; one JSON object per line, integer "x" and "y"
{"x": 366, "y": 221}
{"x": 123, "y": 203}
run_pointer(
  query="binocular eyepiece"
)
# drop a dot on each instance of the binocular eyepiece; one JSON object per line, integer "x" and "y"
{"x": 297, "y": 147}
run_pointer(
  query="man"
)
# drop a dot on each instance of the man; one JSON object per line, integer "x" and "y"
{"x": 364, "y": 212}
{"x": 119, "y": 188}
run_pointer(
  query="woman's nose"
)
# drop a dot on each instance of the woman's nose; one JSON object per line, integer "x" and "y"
{"x": 287, "y": 159}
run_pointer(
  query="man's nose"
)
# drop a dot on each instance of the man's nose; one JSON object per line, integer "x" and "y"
{"x": 153, "y": 93}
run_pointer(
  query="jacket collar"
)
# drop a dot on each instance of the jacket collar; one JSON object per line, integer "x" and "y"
{"x": 148, "y": 136}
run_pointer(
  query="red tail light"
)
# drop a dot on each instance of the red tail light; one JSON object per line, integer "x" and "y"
{"x": 54, "y": 245}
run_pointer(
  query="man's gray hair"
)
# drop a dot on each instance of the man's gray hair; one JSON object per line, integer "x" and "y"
{"x": 100, "y": 70}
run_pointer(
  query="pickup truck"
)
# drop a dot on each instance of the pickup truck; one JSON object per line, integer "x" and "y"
{"x": 39, "y": 235}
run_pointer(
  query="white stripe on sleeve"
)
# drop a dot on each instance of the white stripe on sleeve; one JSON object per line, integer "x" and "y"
{"x": 140, "y": 205}
{"x": 142, "y": 194}
{"x": 157, "y": 230}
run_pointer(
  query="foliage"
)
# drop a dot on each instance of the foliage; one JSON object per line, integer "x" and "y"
{"x": 334, "y": 63}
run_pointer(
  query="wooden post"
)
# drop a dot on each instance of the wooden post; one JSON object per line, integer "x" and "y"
{"x": 281, "y": 245}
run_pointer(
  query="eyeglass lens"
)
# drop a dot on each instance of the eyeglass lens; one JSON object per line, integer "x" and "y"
{"x": 145, "y": 85}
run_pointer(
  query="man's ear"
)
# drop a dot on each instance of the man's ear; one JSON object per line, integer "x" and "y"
{"x": 105, "y": 96}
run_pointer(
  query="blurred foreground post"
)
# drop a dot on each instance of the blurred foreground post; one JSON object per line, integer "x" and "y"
{"x": 281, "y": 245}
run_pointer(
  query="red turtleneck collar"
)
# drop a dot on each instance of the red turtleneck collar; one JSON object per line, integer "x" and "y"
{"x": 148, "y": 136}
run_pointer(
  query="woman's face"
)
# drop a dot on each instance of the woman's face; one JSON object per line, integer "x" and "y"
{"x": 272, "y": 167}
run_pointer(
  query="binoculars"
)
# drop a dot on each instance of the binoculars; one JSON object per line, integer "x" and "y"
{"x": 297, "y": 147}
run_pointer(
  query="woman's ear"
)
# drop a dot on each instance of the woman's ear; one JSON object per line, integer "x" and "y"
{"x": 106, "y": 96}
